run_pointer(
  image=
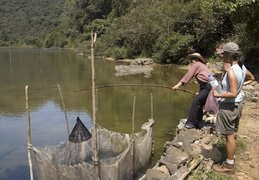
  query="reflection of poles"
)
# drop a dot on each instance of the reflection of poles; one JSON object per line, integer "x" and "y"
{"x": 64, "y": 107}
{"x": 11, "y": 69}
{"x": 95, "y": 158}
{"x": 133, "y": 141}
{"x": 29, "y": 130}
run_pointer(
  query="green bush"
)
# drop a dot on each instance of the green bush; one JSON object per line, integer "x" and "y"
{"x": 172, "y": 47}
{"x": 116, "y": 52}
{"x": 4, "y": 44}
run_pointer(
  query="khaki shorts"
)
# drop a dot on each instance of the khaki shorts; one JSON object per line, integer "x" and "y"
{"x": 228, "y": 118}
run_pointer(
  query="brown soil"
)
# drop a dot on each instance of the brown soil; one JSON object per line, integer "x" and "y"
{"x": 247, "y": 162}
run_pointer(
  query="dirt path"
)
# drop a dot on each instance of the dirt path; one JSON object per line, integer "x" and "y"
{"x": 248, "y": 161}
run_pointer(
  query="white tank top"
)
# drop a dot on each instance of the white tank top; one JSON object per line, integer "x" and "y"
{"x": 240, "y": 75}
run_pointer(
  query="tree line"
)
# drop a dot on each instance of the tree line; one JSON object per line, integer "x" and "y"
{"x": 165, "y": 30}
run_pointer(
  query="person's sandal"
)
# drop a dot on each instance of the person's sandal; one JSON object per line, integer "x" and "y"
{"x": 189, "y": 126}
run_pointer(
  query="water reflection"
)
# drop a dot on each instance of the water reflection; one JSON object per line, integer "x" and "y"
{"x": 43, "y": 69}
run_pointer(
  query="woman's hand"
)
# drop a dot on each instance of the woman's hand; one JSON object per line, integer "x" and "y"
{"x": 215, "y": 94}
{"x": 176, "y": 87}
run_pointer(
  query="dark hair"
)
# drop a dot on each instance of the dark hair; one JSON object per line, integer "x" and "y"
{"x": 239, "y": 57}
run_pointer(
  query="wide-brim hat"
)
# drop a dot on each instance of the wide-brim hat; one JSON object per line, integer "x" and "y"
{"x": 198, "y": 56}
{"x": 229, "y": 47}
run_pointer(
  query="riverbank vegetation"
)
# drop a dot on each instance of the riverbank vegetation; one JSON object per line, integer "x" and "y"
{"x": 164, "y": 30}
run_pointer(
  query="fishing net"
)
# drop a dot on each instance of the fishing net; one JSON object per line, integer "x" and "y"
{"x": 70, "y": 160}
{"x": 79, "y": 133}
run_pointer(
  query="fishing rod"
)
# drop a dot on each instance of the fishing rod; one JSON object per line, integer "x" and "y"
{"x": 150, "y": 85}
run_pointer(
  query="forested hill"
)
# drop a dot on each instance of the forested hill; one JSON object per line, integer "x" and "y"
{"x": 28, "y": 20}
{"x": 165, "y": 30}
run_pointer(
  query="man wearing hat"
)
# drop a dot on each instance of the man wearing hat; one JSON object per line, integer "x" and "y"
{"x": 200, "y": 71}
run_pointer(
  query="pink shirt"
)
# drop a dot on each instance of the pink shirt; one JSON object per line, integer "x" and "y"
{"x": 198, "y": 70}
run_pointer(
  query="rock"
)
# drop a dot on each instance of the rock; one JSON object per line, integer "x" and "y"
{"x": 122, "y": 70}
{"x": 255, "y": 99}
{"x": 175, "y": 155}
{"x": 163, "y": 169}
{"x": 188, "y": 146}
{"x": 256, "y": 94}
{"x": 179, "y": 173}
{"x": 210, "y": 152}
{"x": 211, "y": 119}
{"x": 181, "y": 124}
{"x": 248, "y": 87}
{"x": 142, "y": 61}
{"x": 170, "y": 166}
{"x": 215, "y": 67}
{"x": 187, "y": 137}
{"x": 154, "y": 174}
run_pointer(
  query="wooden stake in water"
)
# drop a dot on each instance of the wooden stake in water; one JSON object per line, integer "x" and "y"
{"x": 151, "y": 106}
{"x": 29, "y": 130}
{"x": 95, "y": 158}
{"x": 133, "y": 140}
{"x": 64, "y": 107}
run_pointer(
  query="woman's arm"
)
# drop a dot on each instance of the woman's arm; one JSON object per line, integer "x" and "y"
{"x": 249, "y": 78}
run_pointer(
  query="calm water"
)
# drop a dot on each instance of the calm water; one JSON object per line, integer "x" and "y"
{"x": 42, "y": 70}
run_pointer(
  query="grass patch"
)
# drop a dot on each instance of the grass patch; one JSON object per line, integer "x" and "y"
{"x": 217, "y": 176}
{"x": 241, "y": 147}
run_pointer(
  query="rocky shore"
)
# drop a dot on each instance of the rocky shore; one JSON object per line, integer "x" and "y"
{"x": 193, "y": 152}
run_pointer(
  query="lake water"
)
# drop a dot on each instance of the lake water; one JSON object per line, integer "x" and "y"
{"x": 42, "y": 70}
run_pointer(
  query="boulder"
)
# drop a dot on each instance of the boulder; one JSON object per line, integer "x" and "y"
{"x": 142, "y": 61}
{"x": 154, "y": 174}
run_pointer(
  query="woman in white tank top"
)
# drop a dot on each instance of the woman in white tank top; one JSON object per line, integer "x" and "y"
{"x": 230, "y": 101}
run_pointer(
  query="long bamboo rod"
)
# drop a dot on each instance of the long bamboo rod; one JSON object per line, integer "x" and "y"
{"x": 28, "y": 130}
{"x": 150, "y": 85}
{"x": 95, "y": 158}
{"x": 64, "y": 107}
{"x": 133, "y": 140}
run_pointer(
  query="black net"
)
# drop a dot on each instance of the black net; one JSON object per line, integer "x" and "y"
{"x": 79, "y": 133}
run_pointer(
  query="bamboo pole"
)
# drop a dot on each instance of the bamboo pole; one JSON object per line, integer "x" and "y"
{"x": 133, "y": 140}
{"x": 29, "y": 130}
{"x": 151, "y": 106}
{"x": 152, "y": 118}
{"x": 65, "y": 112}
{"x": 95, "y": 158}
{"x": 64, "y": 107}
{"x": 184, "y": 175}
{"x": 150, "y": 85}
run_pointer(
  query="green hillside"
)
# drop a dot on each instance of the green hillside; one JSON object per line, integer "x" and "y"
{"x": 28, "y": 20}
{"x": 166, "y": 30}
